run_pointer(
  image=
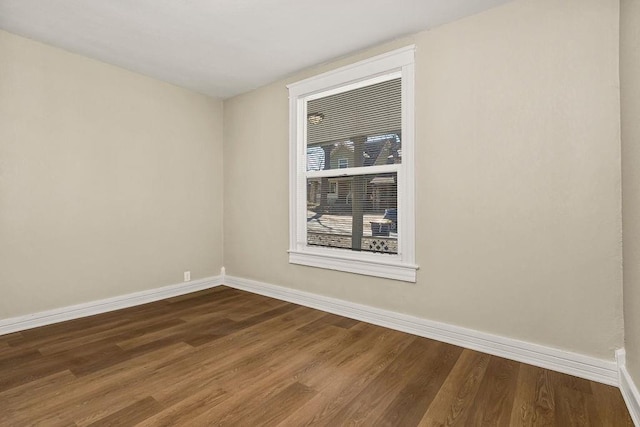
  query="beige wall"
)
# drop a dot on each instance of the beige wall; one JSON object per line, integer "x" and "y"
{"x": 518, "y": 179}
{"x": 630, "y": 111}
{"x": 110, "y": 182}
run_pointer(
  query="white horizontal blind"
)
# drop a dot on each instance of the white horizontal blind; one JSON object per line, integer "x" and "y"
{"x": 349, "y": 135}
{"x": 369, "y": 110}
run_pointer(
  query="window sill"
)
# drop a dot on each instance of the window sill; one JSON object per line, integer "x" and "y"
{"x": 377, "y": 265}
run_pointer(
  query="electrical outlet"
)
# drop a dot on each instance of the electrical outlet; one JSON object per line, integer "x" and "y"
{"x": 187, "y": 276}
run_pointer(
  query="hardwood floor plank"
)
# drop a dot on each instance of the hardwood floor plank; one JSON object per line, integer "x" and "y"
{"x": 347, "y": 372}
{"x": 186, "y": 410}
{"x": 31, "y": 371}
{"x": 98, "y": 394}
{"x": 18, "y": 400}
{"x": 260, "y": 384}
{"x": 12, "y": 337}
{"x": 494, "y": 401}
{"x": 228, "y": 357}
{"x": 194, "y": 333}
{"x": 103, "y": 360}
{"x": 574, "y": 401}
{"x": 277, "y": 407}
{"x": 129, "y": 330}
{"x": 36, "y": 340}
{"x": 254, "y": 305}
{"x": 284, "y": 371}
{"x": 411, "y": 403}
{"x": 384, "y": 388}
{"x": 132, "y": 414}
{"x": 570, "y": 382}
{"x": 218, "y": 292}
{"x": 534, "y": 401}
{"x": 241, "y": 359}
{"x": 573, "y": 410}
{"x": 329, "y": 319}
{"x": 9, "y": 359}
{"x": 180, "y": 331}
{"x": 451, "y": 405}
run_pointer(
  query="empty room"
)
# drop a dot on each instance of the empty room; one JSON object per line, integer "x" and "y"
{"x": 287, "y": 213}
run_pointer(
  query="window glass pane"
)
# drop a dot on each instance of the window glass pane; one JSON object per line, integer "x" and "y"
{"x": 385, "y": 149}
{"x": 361, "y": 214}
{"x": 360, "y": 127}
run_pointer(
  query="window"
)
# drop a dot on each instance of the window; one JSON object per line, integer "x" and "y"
{"x": 351, "y": 168}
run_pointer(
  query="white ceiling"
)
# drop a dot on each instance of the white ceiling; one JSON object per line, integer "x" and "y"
{"x": 224, "y": 47}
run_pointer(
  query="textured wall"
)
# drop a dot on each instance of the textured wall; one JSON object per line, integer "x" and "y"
{"x": 110, "y": 182}
{"x": 518, "y": 179}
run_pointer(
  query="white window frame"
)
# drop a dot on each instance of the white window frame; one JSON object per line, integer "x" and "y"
{"x": 400, "y": 266}
{"x": 344, "y": 162}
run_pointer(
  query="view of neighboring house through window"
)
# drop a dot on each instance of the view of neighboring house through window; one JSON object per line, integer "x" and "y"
{"x": 332, "y": 208}
{"x": 351, "y": 138}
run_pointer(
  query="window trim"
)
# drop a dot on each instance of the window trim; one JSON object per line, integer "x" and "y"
{"x": 399, "y": 266}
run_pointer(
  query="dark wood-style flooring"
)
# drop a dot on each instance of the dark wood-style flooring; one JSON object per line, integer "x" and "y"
{"x": 227, "y": 357}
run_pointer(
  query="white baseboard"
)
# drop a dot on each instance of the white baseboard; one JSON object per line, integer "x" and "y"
{"x": 628, "y": 388}
{"x": 48, "y": 317}
{"x": 579, "y": 365}
{"x": 604, "y": 371}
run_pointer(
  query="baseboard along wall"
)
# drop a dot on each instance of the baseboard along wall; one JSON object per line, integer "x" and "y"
{"x": 579, "y": 365}
{"x": 629, "y": 390}
{"x": 608, "y": 372}
{"x": 91, "y": 308}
